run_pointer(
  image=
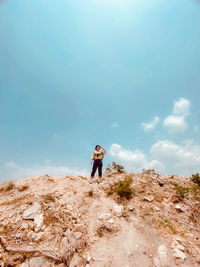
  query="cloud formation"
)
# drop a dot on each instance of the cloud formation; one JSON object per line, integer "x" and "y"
{"x": 164, "y": 156}
{"x": 115, "y": 125}
{"x": 175, "y": 123}
{"x": 150, "y": 125}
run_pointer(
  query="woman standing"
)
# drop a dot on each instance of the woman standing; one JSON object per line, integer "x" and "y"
{"x": 98, "y": 161}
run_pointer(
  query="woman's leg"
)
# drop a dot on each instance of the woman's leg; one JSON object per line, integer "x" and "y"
{"x": 94, "y": 168}
{"x": 100, "y": 165}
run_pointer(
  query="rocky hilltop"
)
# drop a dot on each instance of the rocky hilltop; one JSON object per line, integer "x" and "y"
{"x": 128, "y": 219}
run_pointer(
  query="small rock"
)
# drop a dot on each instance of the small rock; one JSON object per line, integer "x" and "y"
{"x": 179, "y": 208}
{"x": 31, "y": 212}
{"x": 111, "y": 221}
{"x": 88, "y": 258}
{"x": 162, "y": 253}
{"x": 39, "y": 262}
{"x": 24, "y": 264}
{"x": 104, "y": 216}
{"x": 181, "y": 247}
{"x": 117, "y": 210}
{"x": 130, "y": 207}
{"x": 157, "y": 209}
{"x": 156, "y": 262}
{"x": 78, "y": 235}
{"x": 64, "y": 245}
{"x": 38, "y": 222}
{"x": 149, "y": 198}
{"x": 24, "y": 226}
{"x": 76, "y": 261}
{"x": 178, "y": 254}
{"x": 38, "y": 237}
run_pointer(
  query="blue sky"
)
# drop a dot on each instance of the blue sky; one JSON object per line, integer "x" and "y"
{"x": 121, "y": 73}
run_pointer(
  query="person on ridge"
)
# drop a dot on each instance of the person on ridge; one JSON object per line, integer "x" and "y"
{"x": 97, "y": 156}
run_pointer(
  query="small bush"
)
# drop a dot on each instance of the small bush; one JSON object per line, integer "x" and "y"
{"x": 7, "y": 187}
{"x": 90, "y": 193}
{"x": 148, "y": 171}
{"x": 196, "y": 178}
{"x": 115, "y": 167}
{"x": 48, "y": 198}
{"x": 122, "y": 188}
{"x": 181, "y": 191}
{"x": 23, "y": 188}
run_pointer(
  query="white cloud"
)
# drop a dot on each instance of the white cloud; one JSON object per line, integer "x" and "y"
{"x": 181, "y": 107}
{"x": 115, "y": 125}
{"x": 150, "y": 125}
{"x": 177, "y": 158}
{"x": 14, "y": 171}
{"x": 175, "y": 122}
{"x": 164, "y": 156}
{"x": 133, "y": 160}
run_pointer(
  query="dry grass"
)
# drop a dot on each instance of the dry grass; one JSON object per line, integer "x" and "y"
{"x": 122, "y": 188}
{"x": 104, "y": 230}
{"x": 23, "y": 188}
{"x": 48, "y": 198}
{"x": 8, "y": 186}
{"x": 13, "y": 201}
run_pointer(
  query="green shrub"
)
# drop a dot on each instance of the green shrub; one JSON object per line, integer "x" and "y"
{"x": 196, "y": 178}
{"x": 48, "y": 198}
{"x": 148, "y": 171}
{"x": 115, "y": 167}
{"x": 122, "y": 188}
{"x": 181, "y": 190}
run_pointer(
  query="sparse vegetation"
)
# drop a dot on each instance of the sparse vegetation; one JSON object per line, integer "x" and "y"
{"x": 48, "y": 198}
{"x": 181, "y": 191}
{"x": 105, "y": 229}
{"x": 7, "y": 187}
{"x": 90, "y": 193}
{"x": 196, "y": 178}
{"x": 122, "y": 188}
{"x": 148, "y": 171}
{"x": 115, "y": 167}
{"x": 23, "y": 188}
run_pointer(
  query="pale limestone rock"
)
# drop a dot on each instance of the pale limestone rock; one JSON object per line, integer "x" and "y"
{"x": 162, "y": 253}
{"x": 156, "y": 262}
{"x": 104, "y": 216}
{"x": 111, "y": 221}
{"x": 24, "y": 226}
{"x": 78, "y": 235}
{"x": 117, "y": 210}
{"x": 178, "y": 254}
{"x": 37, "y": 237}
{"x": 179, "y": 208}
{"x": 38, "y": 222}
{"x": 76, "y": 261}
{"x": 149, "y": 198}
{"x": 64, "y": 245}
{"x": 31, "y": 212}
{"x": 39, "y": 262}
{"x": 130, "y": 207}
{"x": 24, "y": 264}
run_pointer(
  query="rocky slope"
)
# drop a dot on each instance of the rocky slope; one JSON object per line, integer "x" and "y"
{"x": 66, "y": 221}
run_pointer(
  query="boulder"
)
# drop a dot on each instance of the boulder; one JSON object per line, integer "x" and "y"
{"x": 32, "y": 211}
{"x": 38, "y": 222}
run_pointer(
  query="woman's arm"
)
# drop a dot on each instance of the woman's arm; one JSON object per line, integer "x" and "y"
{"x": 103, "y": 149}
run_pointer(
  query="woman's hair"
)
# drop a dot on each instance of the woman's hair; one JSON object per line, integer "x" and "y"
{"x": 96, "y": 147}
